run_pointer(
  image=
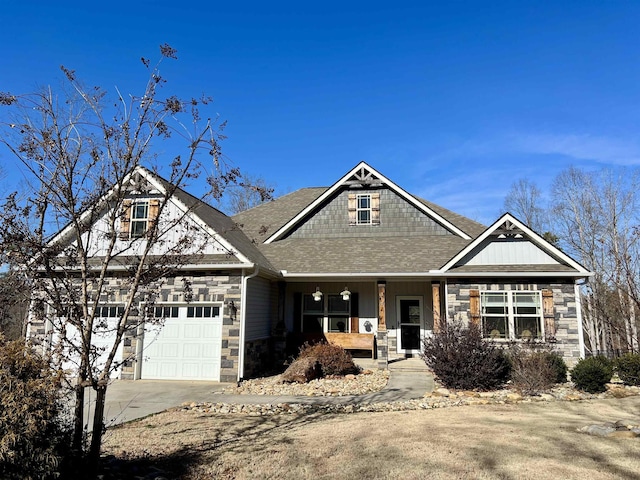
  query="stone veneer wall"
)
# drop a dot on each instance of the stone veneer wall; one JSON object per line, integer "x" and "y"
{"x": 567, "y": 325}
{"x": 220, "y": 287}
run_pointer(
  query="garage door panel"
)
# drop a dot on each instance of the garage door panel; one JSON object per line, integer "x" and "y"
{"x": 209, "y": 331}
{"x": 102, "y": 341}
{"x": 186, "y": 347}
{"x": 193, "y": 331}
{"x": 192, "y": 350}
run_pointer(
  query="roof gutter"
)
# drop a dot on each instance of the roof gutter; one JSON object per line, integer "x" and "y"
{"x": 189, "y": 266}
{"x": 433, "y": 274}
{"x": 243, "y": 320}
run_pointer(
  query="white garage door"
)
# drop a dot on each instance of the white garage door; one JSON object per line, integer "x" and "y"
{"x": 103, "y": 337}
{"x": 185, "y": 346}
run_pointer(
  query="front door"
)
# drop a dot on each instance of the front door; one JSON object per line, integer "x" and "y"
{"x": 409, "y": 312}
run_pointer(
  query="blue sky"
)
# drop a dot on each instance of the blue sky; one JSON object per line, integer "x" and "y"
{"x": 451, "y": 100}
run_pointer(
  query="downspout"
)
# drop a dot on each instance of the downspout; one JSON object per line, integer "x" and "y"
{"x": 243, "y": 319}
{"x": 578, "y": 300}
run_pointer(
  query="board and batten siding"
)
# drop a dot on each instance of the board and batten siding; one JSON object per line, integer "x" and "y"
{"x": 258, "y": 315}
{"x": 511, "y": 252}
{"x": 174, "y": 226}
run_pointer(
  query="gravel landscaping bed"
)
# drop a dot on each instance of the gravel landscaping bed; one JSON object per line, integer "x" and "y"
{"x": 366, "y": 382}
{"x": 440, "y": 398}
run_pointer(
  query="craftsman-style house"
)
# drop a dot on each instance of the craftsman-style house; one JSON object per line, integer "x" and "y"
{"x": 362, "y": 263}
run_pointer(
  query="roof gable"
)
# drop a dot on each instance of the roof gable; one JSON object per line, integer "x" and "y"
{"x": 361, "y": 177}
{"x": 220, "y": 229}
{"x": 509, "y": 244}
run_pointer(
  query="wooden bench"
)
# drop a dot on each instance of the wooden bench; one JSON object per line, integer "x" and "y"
{"x": 353, "y": 341}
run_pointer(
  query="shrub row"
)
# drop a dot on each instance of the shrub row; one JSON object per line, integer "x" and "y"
{"x": 461, "y": 358}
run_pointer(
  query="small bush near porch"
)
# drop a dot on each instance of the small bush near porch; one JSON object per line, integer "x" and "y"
{"x": 462, "y": 359}
{"x": 320, "y": 360}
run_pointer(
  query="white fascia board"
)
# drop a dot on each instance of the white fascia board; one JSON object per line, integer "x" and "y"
{"x": 533, "y": 236}
{"x": 410, "y": 198}
{"x": 215, "y": 235}
{"x": 432, "y": 274}
{"x": 517, "y": 274}
{"x": 186, "y": 266}
{"x": 139, "y": 170}
{"x": 421, "y": 206}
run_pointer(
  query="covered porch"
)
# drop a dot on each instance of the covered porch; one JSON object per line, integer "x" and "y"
{"x": 397, "y": 313}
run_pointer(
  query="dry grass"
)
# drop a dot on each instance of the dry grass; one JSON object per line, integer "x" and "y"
{"x": 485, "y": 442}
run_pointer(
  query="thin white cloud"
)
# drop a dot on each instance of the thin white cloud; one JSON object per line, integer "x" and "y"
{"x": 601, "y": 149}
{"x": 473, "y": 177}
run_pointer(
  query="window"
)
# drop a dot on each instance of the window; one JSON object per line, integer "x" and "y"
{"x": 165, "y": 312}
{"x": 512, "y": 315}
{"x": 139, "y": 219}
{"x": 109, "y": 311}
{"x": 312, "y": 314}
{"x": 203, "y": 312}
{"x": 330, "y": 314}
{"x": 363, "y": 209}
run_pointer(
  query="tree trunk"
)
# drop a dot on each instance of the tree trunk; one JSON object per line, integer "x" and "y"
{"x": 78, "y": 415}
{"x": 96, "y": 434}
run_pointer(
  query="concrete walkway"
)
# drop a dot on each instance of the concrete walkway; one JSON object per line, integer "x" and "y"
{"x": 130, "y": 400}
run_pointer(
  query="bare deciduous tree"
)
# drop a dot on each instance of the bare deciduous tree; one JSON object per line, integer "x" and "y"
{"x": 524, "y": 201}
{"x": 83, "y": 153}
{"x": 250, "y": 191}
{"x": 596, "y": 217}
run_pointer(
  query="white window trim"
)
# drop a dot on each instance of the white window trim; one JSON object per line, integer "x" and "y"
{"x": 133, "y": 219}
{"x": 399, "y": 347}
{"x": 368, "y": 209}
{"x": 510, "y": 294}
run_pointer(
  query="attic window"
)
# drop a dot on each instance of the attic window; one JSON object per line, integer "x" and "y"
{"x": 139, "y": 219}
{"x": 364, "y": 209}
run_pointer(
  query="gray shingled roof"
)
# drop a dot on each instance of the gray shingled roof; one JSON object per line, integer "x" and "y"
{"x": 468, "y": 226}
{"x": 536, "y": 268}
{"x": 223, "y": 226}
{"x": 352, "y": 255}
{"x": 262, "y": 221}
{"x": 349, "y": 254}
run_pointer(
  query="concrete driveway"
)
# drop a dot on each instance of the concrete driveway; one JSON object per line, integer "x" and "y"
{"x": 129, "y": 400}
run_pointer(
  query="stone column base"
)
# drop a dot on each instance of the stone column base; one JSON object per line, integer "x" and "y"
{"x": 383, "y": 349}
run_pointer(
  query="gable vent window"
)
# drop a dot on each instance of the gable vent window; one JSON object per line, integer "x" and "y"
{"x": 364, "y": 209}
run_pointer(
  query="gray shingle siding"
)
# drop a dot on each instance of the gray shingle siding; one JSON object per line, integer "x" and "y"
{"x": 398, "y": 218}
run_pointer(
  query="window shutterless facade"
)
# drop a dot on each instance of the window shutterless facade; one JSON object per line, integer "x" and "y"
{"x": 330, "y": 314}
{"x": 512, "y": 315}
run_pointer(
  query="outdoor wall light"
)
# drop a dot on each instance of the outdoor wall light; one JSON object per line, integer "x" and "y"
{"x": 345, "y": 294}
{"x": 233, "y": 310}
{"x": 317, "y": 295}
